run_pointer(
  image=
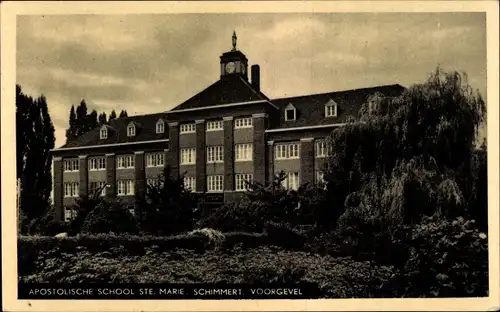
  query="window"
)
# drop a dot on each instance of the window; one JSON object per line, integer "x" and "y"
{"x": 154, "y": 182}
{"x": 104, "y": 133}
{"x": 291, "y": 181}
{"x": 243, "y": 152}
{"x": 331, "y": 109}
{"x": 190, "y": 183}
{"x": 96, "y": 186}
{"x": 71, "y": 165}
{"x": 215, "y": 154}
{"x": 214, "y": 125}
{"x": 188, "y": 128}
{"x": 287, "y": 151}
{"x": 160, "y": 126}
{"x": 215, "y": 183}
{"x": 131, "y": 130}
{"x": 125, "y": 187}
{"x": 71, "y": 189}
{"x": 97, "y": 163}
{"x": 241, "y": 181}
{"x": 320, "y": 177}
{"x": 290, "y": 112}
{"x": 245, "y": 122}
{"x": 155, "y": 159}
{"x": 125, "y": 162}
{"x": 322, "y": 148}
{"x": 69, "y": 214}
{"x": 188, "y": 156}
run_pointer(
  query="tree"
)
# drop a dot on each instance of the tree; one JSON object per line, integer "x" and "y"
{"x": 408, "y": 157}
{"x": 92, "y": 121}
{"x": 123, "y": 113}
{"x": 112, "y": 115}
{"x": 102, "y": 119}
{"x": 35, "y": 139}
{"x": 71, "y": 131}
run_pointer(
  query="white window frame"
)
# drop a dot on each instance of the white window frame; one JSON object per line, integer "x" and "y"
{"x": 331, "y": 109}
{"x": 125, "y": 162}
{"x": 188, "y": 156}
{"x": 97, "y": 163}
{"x": 160, "y": 126}
{"x": 290, "y": 184}
{"x": 243, "y": 152}
{"x": 284, "y": 150}
{"x": 69, "y": 214}
{"x": 215, "y": 183}
{"x": 240, "y": 178}
{"x": 322, "y": 149}
{"x": 103, "y": 133}
{"x": 215, "y": 125}
{"x": 243, "y": 122}
{"x": 71, "y": 165}
{"x": 131, "y": 130}
{"x": 155, "y": 160}
{"x": 71, "y": 189}
{"x": 290, "y": 107}
{"x": 125, "y": 187}
{"x": 215, "y": 154}
{"x": 98, "y": 185}
{"x": 187, "y": 128}
{"x": 190, "y": 183}
{"x": 320, "y": 177}
{"x": 153, "y": 182}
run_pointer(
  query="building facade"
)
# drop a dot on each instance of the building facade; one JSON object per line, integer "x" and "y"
{"x": 228, "y": 133}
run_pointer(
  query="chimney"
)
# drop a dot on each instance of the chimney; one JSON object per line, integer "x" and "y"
{"x": 256, "y": 77}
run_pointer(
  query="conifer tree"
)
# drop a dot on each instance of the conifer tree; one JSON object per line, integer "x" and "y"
{"x": 123, "y": 113}
{"x": 112, "y": 115}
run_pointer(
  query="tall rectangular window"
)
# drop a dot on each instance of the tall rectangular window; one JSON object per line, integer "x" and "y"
{"x": 291, "y": 181}
{"x": 320, "y": 177}
{"x": 155, "y": 159}
{"x": 244, "y": 122}
{"x": 241, "y": 181}
{"x": 71, "y": 165}
{"x": 215, "y": 183}
{"x": 214, "y": 125}
{"x": 125, "y": 162}
{"x": 243, "y": 152}
{"x": 322, "y": 148}
{"x": 187, "y": 128}
{"x": 155, "y": 182}
{"x": 287, "y": 151}
{"x": 188, "y": 156}
{"x": 215, "y": 154}
{"x": 97, "y": 163}
{"x": 69, "y": 214}
{"x": 96, "y": 186}
{"x": 190, "y": 183}
{"x": 125, "y": 187}
{"x": 71, "y": 189}
{"x": 160, "y": 126}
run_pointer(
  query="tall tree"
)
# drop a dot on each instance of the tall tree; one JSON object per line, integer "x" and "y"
{"x": 81, "y": 118}
{"x": 123, "y": 113}
{"x": 112, "y": 115}
{"x": 102, "y": 119}
{"x": 91, "y": 121}
{"x": 70, "y": 132}
{"x": 35, "y": 139}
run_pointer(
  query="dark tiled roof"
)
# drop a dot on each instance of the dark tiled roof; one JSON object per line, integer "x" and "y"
{"x": 310, "y": 108}
{"x": 230, "y": 89}
{"x": 117, "y": 133}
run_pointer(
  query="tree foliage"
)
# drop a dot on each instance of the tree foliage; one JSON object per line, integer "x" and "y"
{"x": 34, "y": 140}
{"x": 123, "y": 113}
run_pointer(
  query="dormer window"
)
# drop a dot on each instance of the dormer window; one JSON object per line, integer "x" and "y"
{"x": 290, "y": 112}
{"x": 331, "y": 109}
{"x": 103, "y": 133}
{"x": 160, "y": 126}
{"x": 131, "y": 130}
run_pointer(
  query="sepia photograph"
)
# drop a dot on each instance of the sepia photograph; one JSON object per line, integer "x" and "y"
{"x": 316, "y": 154}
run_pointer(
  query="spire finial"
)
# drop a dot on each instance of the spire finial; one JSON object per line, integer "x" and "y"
{"x": 234, "y": 40}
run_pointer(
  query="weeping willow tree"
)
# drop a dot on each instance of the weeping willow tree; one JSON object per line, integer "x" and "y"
{"x": 410, "y": 156}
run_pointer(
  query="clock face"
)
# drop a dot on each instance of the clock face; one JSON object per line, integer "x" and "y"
{"x": 230, "y": 67}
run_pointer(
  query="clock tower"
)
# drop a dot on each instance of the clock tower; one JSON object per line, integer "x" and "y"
{"x": 234, "y": 62}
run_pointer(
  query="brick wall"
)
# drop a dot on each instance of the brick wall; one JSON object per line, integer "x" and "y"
{"x": 110, "y": 175}
{"x": 83, "y": 175}
{"x": 200, "y": 156}
{"x": 259, "y": 147}
{"x": 58, "y": 188}
{"x": 270, "y": 161}
{"x": 173, "y": 150}
{"x": 140, "y": 175}
{"x": 307, "y": 160}
{"x": 228, "y": 154}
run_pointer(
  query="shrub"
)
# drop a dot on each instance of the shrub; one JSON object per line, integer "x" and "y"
{"x": 110, "y": 217}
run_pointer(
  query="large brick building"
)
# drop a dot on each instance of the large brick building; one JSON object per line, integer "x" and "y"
{"x": 227, "y": 133}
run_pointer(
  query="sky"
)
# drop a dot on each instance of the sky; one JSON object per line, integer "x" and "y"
{"x": 148, "y": 63}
